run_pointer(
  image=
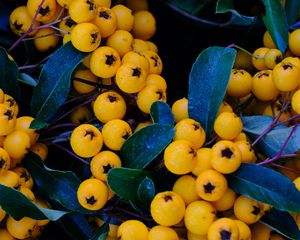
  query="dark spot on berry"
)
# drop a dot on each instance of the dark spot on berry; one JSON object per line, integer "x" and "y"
{"x": 160, "y": 94}
{"x": 92, "y": 6}
{"x": 168, "y": 198}
{"x": 287, "y": 65}
{"x": 91, "y": 200}
{"x": 106, "y": 168}
{"x": 90, "y": 133}
{"x": 278, "y": 59}
{"x": 126, "y": 135}
{"x": 110, "y": 59}
{"x": 2, "y": 163}
{"x": 70, "y": 23}
{"x": 9, "y": 114}
{"x": 104, "y": 14}
{"x": 44, "y": 11}
{"x": 208, "y": 188}
{"x": 192, "y": 151}
{"x": 263, "y": 74}
{"x": 25, "y": 176}
{"x": 11, "y": 101}
{"x": 18, "y": 26}
{"x": 227, "y": 153}
{"x": 155, "y": 59}
{"x": 196, "y": 126}
{"x": 112, "y": 98}
{"x": 95, "y": 37}
{"x": 256, "y": 210}
{"x": 225, "y": 235}
{"x": 136, "y": 72}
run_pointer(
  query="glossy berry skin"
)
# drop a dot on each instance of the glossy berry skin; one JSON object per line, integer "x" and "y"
{"x": 86, "y": 140}
{"x": 228, "y": 125}
{"x": 156, "y": 65}
{"x": 21, "y": 229}
{"x": 130, "y": 78}
{"x": 115, "y": 132}
{"x": 296, "y": 102}
{"x": 226, "y": 202}
{"x": 4, "y": 161}
{"x": 167, "y": 208}
{"x": 139, "y": 45}
{"x": 162, "y": 232}
{"x": 185, "y": 186}
{"x": 144, "y": 25}
{"x": 125, "y": 19}
{"x": 121, "y": 41}
{"x": 25, "y": 177}
{"x": 263, "y": 86}
{"x": 286, "y": 77}
{"x": 180, "y": 109}
{"x": 267, "y": 40}
{"x": 10, "y": 179}
{"x": 139, "y": 60}
{"x": 82, "y": 11}
{"x": 102, "y": 163}
{"x": 226, "y": 157}
{"x": 247, "y": 210}
{"x": 108, "y": 106}
{"x": 92, "y": 194}
{"x": 244, "y": 230}
{"x": 272, "y": 58}
{"x": 23, "y": 124}
{"x": 7, "y": 120}
{"x": 211, "y": 185}
{"x": 105, "y": 62}
{"x": 294, "y": 39}
{"x": 40, "y": 149}
{"x": 46, "y": 39}
{"x": 191, "y": 130}
{"x": 86, "y": 37}
{"x": 258, "y": 58}
{"x": 85, "y": 75}
{"x": 46, "y": 12}
{"x": 132, "y": 230}
{"x": 20, "y": 21}
{"x": 106, "y": 21}
{"x": 247, "y": 152}
{"x": 199, "y": 215}
{"x": 223, "y": 228}
{"x": 155, "y": 79}
{"x": 148, "y": 95}
{"x": 179, "y": 157}
{"x": 203, "y": 160}
{"x": 5, "y": 235}
{"x": 240, "y": 83}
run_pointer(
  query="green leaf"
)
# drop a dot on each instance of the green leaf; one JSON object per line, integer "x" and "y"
{"x": 224, "y": 6}
{"x": 281, "y": 222}
{"x": 102, "y": 233}
{"x": 26, "y": 79}
{"x": 292, "y": 8}
{"x": 267, "y": 186}
{"x": 145, "y": 145}
{"x": 54, "y": 81}
{"x": 275, "y": 20}
{"x": 77, "y": 226}
{"x": 207, "y": 84}
{"x": 272, "y": 141}
{"x": 126, "y": 181}
{"x": 191, "y": 6}
{"x": 161, "y": 113}
{"x": 59, "y": 186}
{"x": 38, "y": 124}
{"x": 146, "y": 191}
{"x": 17, "y": 205}
{"x": 9, "y": 72}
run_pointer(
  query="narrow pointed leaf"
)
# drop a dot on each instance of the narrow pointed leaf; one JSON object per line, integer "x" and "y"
{"x": 292, "y": 8}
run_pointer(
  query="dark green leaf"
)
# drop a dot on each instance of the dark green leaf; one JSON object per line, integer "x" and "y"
{"x": 272, "y": 141}
{"x": 101, "y": 234}
{"x": 59, "y": 186}
{"x": 224, "y": 6}
{"x": 9, "y": 72}
{"x": 77, "y": 226}
{"x": 281, "y": 222}
{"x": 207, "y": 84}
{"x": 146, "y": 191}
{"x": 126, "y": 181}
{"x": 275, "y": 20}
{"x": 55, "y": 80}
{"x": 161, "y": 113}
{"x": 267, "y": 186}
{"x": 26, "y": 79}
{"x": 145, "y": 145}
{"x": 38, "y": 124}
{"x": 17, "y": 205}
{"x": 191, "y": 6}
{"x": 292, "y": 8}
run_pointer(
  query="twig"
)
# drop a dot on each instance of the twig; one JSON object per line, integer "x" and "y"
{"x": 34, "y": 65}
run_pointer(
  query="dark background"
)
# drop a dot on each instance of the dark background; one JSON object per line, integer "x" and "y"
{"x": 179, "y": 40}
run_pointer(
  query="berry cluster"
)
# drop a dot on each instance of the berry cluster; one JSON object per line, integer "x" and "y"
{"x": 16, "y": 139}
